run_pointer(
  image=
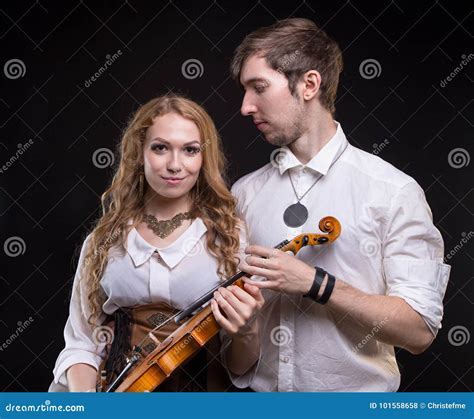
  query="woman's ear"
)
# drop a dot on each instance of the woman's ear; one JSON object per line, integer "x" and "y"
{"x": 312, "y": 83}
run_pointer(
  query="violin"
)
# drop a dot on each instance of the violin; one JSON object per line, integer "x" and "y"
{"x": 197, "y": 326}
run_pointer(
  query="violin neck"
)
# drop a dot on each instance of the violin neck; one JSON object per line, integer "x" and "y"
{"x": 189, "y": 311}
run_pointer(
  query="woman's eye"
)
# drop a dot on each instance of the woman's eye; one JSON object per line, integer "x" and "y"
{"x": 158, "y": 147}
{"x": 192, "y": 150}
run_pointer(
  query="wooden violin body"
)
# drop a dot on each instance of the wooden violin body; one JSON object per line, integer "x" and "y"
{"x": 150, "y": 371}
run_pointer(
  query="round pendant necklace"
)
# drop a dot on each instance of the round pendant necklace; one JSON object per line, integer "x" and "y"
{"x": 297, "y": 214}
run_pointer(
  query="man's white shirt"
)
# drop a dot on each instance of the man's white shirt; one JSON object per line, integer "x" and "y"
{"x": 388, "y": 246}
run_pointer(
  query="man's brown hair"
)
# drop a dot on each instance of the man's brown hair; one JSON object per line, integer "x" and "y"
{"x": 293, "y": 47}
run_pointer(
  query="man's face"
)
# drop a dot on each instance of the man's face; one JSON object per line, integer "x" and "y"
{"x": 275, "y": 111}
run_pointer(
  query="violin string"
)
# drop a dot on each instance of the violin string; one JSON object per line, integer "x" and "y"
{"x": 169, "y": 319}
{"x": 156, "y": 328}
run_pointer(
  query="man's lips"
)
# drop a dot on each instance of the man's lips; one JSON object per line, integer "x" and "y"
{"x": 261, "y": 125}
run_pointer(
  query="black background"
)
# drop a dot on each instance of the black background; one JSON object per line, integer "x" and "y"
{"x": 50, "y": 194}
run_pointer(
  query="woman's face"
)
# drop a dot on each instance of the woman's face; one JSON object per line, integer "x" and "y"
{"x": 172, "y": 155}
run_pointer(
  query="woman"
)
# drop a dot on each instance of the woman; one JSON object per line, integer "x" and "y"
{"x": 167, "y": 235}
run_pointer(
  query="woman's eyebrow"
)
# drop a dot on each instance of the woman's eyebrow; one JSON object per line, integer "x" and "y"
{"x": 167, "y": 142}
{"x": 159, "y": 139}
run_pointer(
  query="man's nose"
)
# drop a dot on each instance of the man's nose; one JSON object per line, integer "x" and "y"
{"x": 247, "y": 108}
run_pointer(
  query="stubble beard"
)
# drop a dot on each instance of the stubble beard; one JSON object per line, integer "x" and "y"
{"x": 294, "y": 132}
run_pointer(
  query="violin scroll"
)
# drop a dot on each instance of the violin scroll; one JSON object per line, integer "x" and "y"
{"x": 329, "y": 225}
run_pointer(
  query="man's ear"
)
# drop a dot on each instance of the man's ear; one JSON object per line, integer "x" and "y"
{"x": 312, "y": 83}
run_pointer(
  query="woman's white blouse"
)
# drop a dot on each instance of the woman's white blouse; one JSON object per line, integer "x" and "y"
{"x": 143, "y": 274}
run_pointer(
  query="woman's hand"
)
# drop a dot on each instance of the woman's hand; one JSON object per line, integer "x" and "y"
{"x": 235, "y": 309}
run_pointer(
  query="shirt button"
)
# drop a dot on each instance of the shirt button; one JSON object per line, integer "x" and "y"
{"x": 286, "y": 318}
{"x": 284, "y": 359}
{"x": 305, "y": 170}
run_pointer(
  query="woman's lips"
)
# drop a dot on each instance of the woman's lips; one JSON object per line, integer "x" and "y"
{"x": 173, "y": 180}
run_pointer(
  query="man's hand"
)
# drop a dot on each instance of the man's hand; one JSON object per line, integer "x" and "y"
{"x": 283, "y": 271}
{"x": 235, "y": 309}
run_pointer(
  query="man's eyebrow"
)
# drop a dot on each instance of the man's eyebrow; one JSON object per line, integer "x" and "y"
{"x": 253, "y": 81}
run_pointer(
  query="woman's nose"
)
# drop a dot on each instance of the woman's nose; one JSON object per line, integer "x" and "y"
{"x": 174, "y": 163}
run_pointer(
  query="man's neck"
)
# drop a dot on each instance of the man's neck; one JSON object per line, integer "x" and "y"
{"x": 318, "y": 134}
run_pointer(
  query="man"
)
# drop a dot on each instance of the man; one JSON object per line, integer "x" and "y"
{"x": 333, "y": 313}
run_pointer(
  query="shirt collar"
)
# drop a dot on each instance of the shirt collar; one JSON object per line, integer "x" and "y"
{"x": 321, "y": 161}
{"x": 140, "y": 250}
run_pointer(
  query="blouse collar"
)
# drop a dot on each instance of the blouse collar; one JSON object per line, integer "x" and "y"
{"x": 140, "y": 250}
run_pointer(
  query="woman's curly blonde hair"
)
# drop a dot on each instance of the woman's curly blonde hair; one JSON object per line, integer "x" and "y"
{"x": 123, "y": 200}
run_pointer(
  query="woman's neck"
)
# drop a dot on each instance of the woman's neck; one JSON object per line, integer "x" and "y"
{"x": 165, "y": 208}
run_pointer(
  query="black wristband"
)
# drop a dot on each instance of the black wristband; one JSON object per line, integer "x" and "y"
{"x": 318, "y": 281}
{"x": 328, "y": 290}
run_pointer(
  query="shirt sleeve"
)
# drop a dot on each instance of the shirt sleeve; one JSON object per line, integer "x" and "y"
{"x": 83, "y": 343}
{"x": 245, "y": 380}
{"x": 413, "y": 256}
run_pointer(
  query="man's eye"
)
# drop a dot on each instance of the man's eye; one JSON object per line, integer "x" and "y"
{"x": 192, "y": 150}
{"x": 158, "y": 147}
{"x": 259, "y": 89}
